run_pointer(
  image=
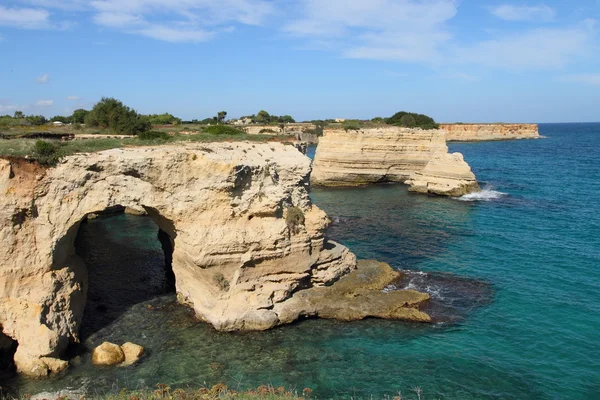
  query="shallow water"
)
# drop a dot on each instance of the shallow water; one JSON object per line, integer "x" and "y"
{"x": 514, "y": 277}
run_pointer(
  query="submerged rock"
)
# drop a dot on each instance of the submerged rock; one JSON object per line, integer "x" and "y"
{"x": 356, "y": 296}
{"x": 445, "y": 175}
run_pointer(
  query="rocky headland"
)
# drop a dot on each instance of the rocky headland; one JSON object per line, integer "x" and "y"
{"x": 416, "y": 157}
{"x": 489, "y": 132}
{"x": 248, "y": 247}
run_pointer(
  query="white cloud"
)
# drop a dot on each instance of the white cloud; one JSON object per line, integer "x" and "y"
{"x": 8, "y": 109}
{"x": 24, "y": 18}
{"x": 180, "y": 20}
{"x": 43, "y": 79}
{"x": 44, "y": 103}
{"x": 407, "y": 30}
{"x": 538, "y": 48}
{"x": 69, "y": 5}
{"x": 508, "y": 12}
{"x": 586, "y": 79}
{"x": 73, "y": 98}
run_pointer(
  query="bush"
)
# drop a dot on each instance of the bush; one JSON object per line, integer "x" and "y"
{"x": 221, "y": 282}
{"x": 222, "y": 130}
{"x": 406, "y": 119}
{"x": 46, "y": 153}
{"x": 294, "y": 218}
{"x": 351, "y": 125}
{"x": 152, "y": 135}
{"x": 111, "y": 114}
{"x": 267, "y": 130}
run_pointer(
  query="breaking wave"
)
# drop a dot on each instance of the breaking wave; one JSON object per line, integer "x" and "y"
{"x": 484, "y": 195}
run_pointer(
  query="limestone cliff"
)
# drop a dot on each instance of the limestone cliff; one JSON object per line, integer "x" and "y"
{"x": 223, "y": 206}
{"x": 489, "y": 132}
{"x": 391, "y": 154}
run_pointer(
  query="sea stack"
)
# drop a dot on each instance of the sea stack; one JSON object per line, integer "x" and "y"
{"x": 391, "y": 154}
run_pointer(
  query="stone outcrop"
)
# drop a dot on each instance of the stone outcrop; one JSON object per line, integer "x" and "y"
{"x": 444, "y": 175}
{"x": 391, "y": 154}
{"x": 222, "y": 206}
{"x": 489, "y": 132}
{"x": 356, "y": 296}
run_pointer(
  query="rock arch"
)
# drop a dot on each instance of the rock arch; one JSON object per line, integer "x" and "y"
{"x": 222, "y": 205}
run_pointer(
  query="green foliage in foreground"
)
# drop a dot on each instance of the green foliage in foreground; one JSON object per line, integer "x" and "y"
{"x": 222, "y": 130}
{"x": 412, "y": 120}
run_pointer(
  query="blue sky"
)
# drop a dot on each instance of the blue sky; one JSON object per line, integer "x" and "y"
{"x": 469, "y": 60}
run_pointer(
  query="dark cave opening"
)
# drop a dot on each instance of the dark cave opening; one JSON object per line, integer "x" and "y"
{"x": 128, "y": 260}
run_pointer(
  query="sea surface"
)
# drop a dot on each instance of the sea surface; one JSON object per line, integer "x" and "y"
{"x": 514, "y": 275}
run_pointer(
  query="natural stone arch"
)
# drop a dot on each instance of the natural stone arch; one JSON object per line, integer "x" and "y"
{"x": 235, "y": 259}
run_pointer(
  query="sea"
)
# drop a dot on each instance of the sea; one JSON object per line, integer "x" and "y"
{"x": 513, "y": 273}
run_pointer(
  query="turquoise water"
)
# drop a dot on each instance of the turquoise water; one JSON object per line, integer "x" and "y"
{"x": 515, "y": 279}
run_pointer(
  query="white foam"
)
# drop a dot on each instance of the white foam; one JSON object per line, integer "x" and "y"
{"x": 484, "y": 195}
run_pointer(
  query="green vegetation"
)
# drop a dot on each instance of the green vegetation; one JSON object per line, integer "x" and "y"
{"x": 267, "y": 130}
{"x": 154, "y": 135}
{"x": 412, "y": 120}
{"x": 163, "y": 119}
{"x": 352, "y": 125}
{"x": 78, "y": 116}
{"x": 264, "y": 118}
{"x": 46, "y": 153}
{"x": 294, "y": 218}
{"x": 222, "y": 130}
{"x": 221, "y": 281}
{"x": 221, "y": 115}
{"x": 112, "y": 114}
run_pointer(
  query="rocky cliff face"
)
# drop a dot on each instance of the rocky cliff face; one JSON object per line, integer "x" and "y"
{"x": 223, "y": 206}
{"x": 485, "y": 132}
{"x": 391, "y": 154}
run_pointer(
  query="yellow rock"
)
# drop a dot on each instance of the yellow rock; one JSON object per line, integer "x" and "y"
{"x": 133, "y": 352}
{"x": 108, "y": 354}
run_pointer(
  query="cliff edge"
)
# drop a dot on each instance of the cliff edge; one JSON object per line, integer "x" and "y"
{"x": 489, "y": 132}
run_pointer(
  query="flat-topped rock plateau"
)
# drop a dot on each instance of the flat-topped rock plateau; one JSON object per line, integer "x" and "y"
{"x": 416, "y": 157}
{"x": 489, "y": 132}
{"x": 248, "y": 246}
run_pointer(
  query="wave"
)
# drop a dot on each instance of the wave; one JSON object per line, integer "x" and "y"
{"x": 484, "y": 195}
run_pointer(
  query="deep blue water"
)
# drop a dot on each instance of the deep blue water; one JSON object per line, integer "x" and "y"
{"x": 515, "y": 281}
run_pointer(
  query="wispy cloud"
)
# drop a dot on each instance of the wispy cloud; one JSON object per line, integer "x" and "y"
{"x": 509, "y": 12}
{"x": 24, "y": 18}
{"x": 44, "y": 103}
{"x": 74, "y": 98}
{"x": 586, "y": 79}
{"x": 44, "y": 79}
{"x": 533, "y": 49}
{"x": 407, "y": 30}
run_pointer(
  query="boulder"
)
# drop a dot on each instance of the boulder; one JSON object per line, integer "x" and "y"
{"x": 133, "y": 352}
{"x": 108, "y": 354}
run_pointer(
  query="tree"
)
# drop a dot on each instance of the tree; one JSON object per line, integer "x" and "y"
{"x": 408, "y": 121}
{"x": 36, "y": 119}
{"x": 421, "y": 121}
{"x": 263, "y": 117}
{"x": 163, "y": 119}
{"x": 19, "y": 115}
{"x": 286, "y": 119}
{"x": 78, "y": 116}
{"x": 221, "y": 116}
{"x": 110, "y": 113}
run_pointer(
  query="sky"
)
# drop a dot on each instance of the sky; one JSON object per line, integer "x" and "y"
{"x": 455, "y": 60}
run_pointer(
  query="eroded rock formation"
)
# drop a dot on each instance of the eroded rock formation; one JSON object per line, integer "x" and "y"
{"x": 485, "y": 132}
{"x": 223, "y": 206}
{"x": 390, "y": 154}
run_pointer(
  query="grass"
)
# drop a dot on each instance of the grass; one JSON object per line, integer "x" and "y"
{"x": 26, "y": 147}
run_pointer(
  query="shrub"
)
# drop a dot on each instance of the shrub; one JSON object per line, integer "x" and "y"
{"x": 152, "y": 135}
{"x": 420, "y": 120}
{"x": 111, "y": 114}
{"x": 221, "y": 282}
{"x": 294, "y": 218}
{"x": 351, "y": 125}
{"x": 267, "y": 130}
{"x": 222, "y": 130}
{"x": 46, "y": 153}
